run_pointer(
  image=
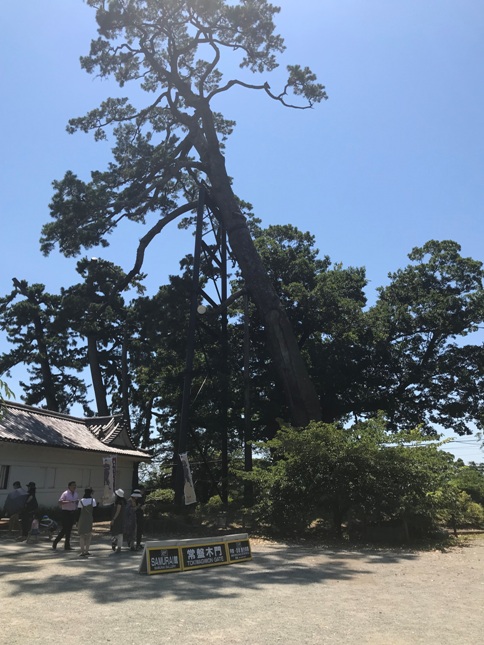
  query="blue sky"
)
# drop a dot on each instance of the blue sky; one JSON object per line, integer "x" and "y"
{"x": 393, "y": 158}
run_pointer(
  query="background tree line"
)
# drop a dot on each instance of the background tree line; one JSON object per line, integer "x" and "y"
{"x": 406, "y": 356}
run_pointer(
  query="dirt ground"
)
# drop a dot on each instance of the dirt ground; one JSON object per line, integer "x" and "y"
{"x": 285, "y": 594}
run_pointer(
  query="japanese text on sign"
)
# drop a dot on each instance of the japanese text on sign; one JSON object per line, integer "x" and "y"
{"x": 204, "y": 555}
{"x": 239, "y": 551}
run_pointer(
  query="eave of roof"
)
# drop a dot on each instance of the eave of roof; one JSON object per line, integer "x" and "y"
{"x": 25, "y": 425}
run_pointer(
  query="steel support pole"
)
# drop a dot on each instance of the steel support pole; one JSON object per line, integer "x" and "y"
{"x": 248, "y": 488}
{"x": 182, "y": 444}
{"x": 225, "y": 370}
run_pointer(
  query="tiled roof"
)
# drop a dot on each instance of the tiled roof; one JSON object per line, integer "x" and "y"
{"x": 26, "y": 425}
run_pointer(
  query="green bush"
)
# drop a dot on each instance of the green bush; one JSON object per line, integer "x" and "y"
{"x": 213, "y": 505}
{"x": 471, "y": 480}
{"x": 456, "y": 508}
{"x": 474, "y": 516}
{"x": 362, "y": 474}
{"x": 158, "y": 502}
{"x": 165, "y": 495}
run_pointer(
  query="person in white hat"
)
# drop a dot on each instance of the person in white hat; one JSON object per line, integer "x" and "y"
{"x": 118, "y": 520}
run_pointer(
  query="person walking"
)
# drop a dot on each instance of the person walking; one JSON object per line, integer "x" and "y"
{"x": 28, "y": 511}
{"x": 117, "y": 523}
{"x": 13, "y": 505}
{"x": 68, "y": 502}
{"x": 84, "y": 526}
{"x": 130, "y": 522}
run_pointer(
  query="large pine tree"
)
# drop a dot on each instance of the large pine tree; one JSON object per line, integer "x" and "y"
{"x": 164, "y": 150}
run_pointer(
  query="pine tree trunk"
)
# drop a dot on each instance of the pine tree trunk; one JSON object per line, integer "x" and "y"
{"x": 290, "y": 367}
{"x": 47, "y": 380}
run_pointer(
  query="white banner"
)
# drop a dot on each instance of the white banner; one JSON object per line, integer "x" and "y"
{"x": 188, "y": 488}
{"x": 109, "y": 480}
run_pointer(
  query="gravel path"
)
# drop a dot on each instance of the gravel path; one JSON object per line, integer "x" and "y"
{"x": 286, "y": 594}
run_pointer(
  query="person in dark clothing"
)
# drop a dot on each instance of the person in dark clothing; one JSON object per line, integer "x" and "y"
{"x": 117, "y": 523}
{"x": 129, "y": 525}
{"x": 140, "y": 496}
{"x": 28, "y": 511}
{"x": 13, "y": 505}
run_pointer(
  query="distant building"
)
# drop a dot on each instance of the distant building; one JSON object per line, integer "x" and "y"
{"x": 52, "y": 449}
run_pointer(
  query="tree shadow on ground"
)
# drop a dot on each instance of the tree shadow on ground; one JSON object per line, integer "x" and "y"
{"x": 111, "y": 578}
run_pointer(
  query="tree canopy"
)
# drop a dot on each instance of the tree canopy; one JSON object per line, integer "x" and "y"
{"x": 419, "y": 328}
{"x": 409, "y": 355}
{"x": 175, "y": 52}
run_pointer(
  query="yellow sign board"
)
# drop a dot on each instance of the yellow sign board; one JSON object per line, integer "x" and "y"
{"x": 170, "y": 556}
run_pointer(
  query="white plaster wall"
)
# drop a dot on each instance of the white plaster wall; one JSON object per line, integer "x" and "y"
{"x": 52, "y": 468}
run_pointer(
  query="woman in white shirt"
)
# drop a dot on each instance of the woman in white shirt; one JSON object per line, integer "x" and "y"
{"x": 84, "y": 526}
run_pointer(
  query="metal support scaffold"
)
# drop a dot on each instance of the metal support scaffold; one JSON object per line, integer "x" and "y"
{"x": 215, "y": 255}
